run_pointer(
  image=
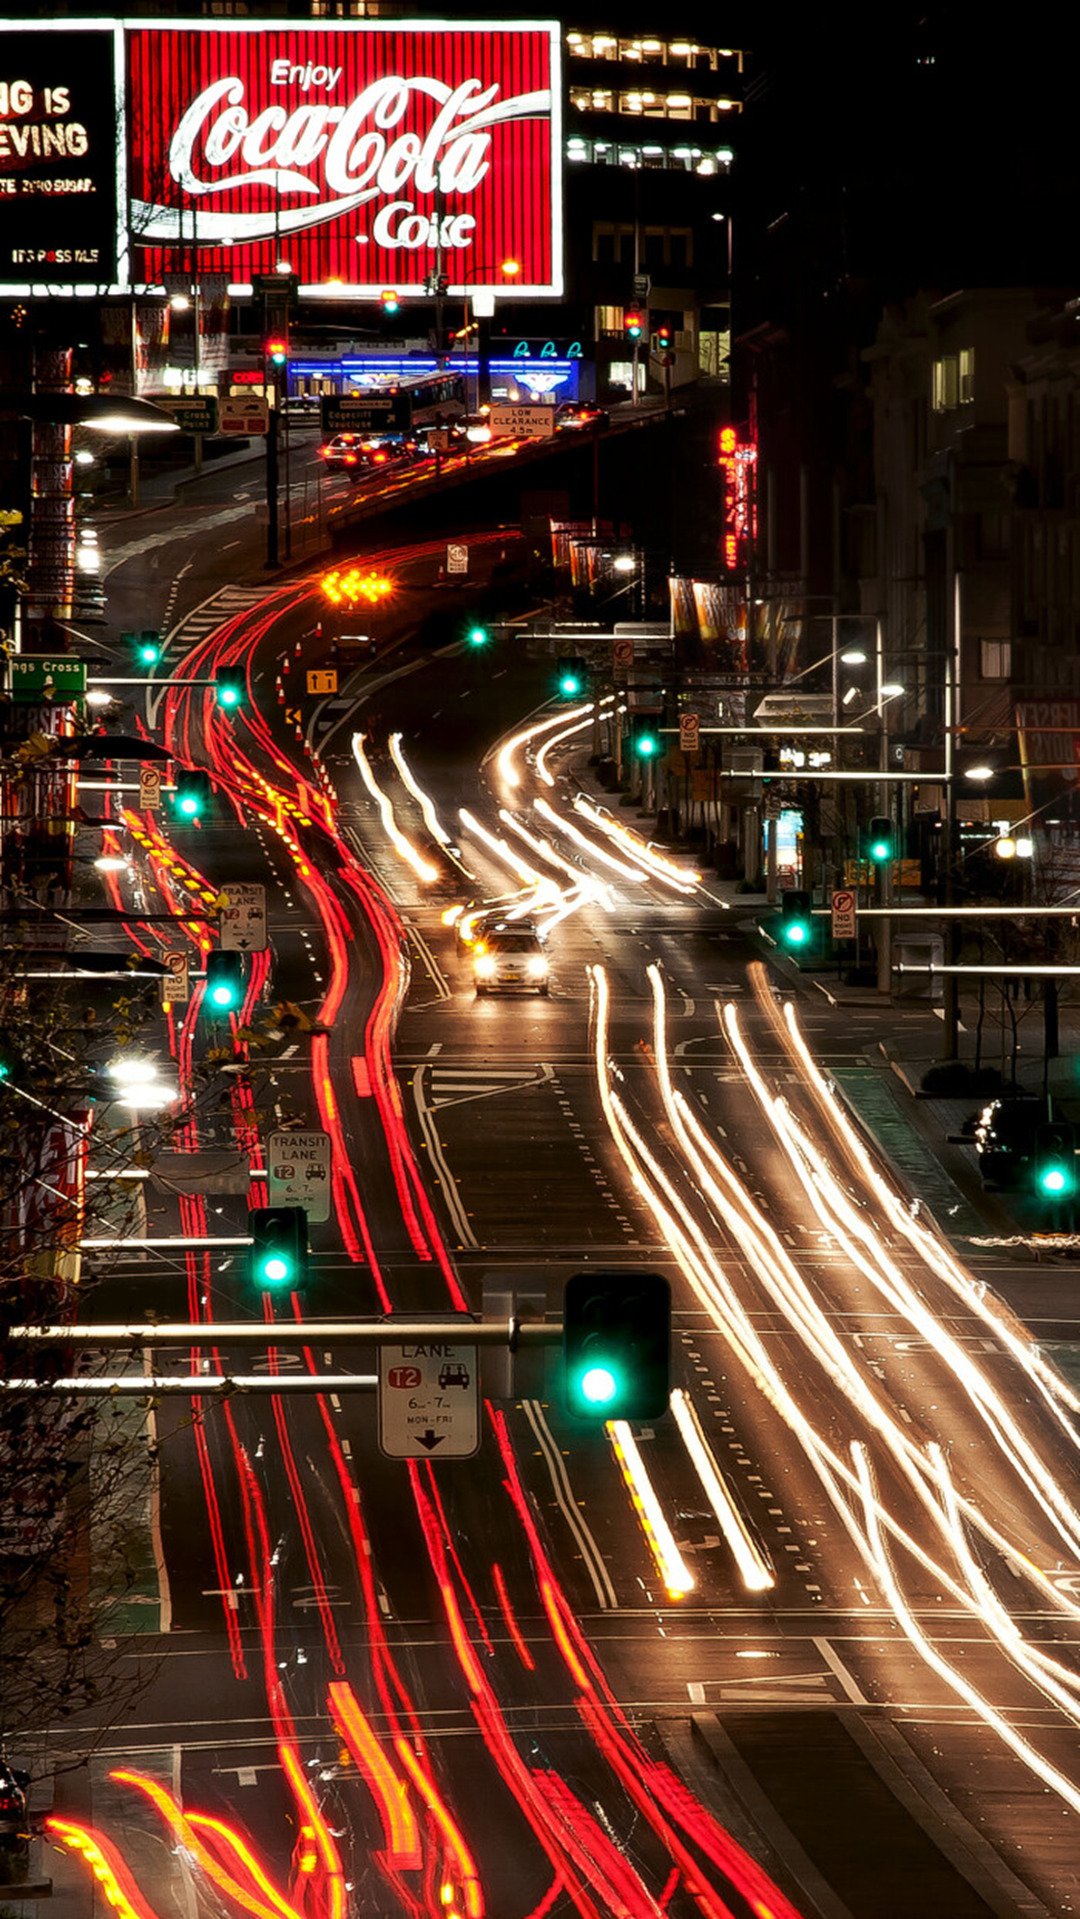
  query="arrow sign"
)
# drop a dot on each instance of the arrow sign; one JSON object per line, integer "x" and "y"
{"x": 430, "y": 1440}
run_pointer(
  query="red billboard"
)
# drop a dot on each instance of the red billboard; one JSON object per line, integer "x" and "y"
{"x": 348, "y": 152}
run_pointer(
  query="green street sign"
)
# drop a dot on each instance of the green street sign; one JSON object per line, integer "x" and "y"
{"x": 199, "y": 414}
{"x": 35, "y": 680}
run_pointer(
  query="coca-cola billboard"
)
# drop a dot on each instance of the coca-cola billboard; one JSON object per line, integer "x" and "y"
{"x": 347, "y": 151}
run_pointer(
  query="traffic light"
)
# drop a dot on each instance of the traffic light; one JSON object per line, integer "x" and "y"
{"x": 146, "y": 647}
{"x": 229, "y": 687}
{"x": 277, "y": 352}
{"x": 633, "y": 324}
{"x": 617, "y": 1345}
{"x": 224, "y": 981}
{"x": 663, "y": 337}
{"x": 478, "y": 636}
{"x": 796, "y": 924}
{"x": 1055, "y": 1160}
{"x": 390, "y": 302}
{"x": 572, "y": 678}
{"x": 644, "y": 740}
{"x": 880, "y": 841}
{"x": 191, "y": 799}
{"x": 279, "y": 1246}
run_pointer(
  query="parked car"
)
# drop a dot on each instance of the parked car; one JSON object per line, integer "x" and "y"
{"x": 1005, "y": 1138}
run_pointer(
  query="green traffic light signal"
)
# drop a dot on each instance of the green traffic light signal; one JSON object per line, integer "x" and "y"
{"x": 1056, "y": 1146}
{"x": 191, "y": 795}
{"x": 278, "y": 1253}
{"x": 571, "y": 678}
{"x": 646, "y": 744}
{"x": 229, "y": 687}
{"x": 224, "y": 981}
{"x": 617, "y": 1345}
{"x": 880, "y": 841}
{"x": 478, "y": 636}
{"x": 795, "y": 921}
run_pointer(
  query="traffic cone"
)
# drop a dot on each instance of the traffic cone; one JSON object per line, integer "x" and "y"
{"x": 280, "y": 694}
{"x": 298, "y": 649}
{"x": 286, "y": 665}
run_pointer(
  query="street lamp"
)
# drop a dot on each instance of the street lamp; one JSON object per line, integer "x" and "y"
{"x": 483, "y": 308}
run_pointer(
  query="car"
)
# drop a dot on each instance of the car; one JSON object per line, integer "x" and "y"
{"x": 13, "y": 1784}
{"x": 1004, "y": 1135}
{"x": 478, "y": 920}
{"x": 510, "y": 958}
{"x": 453, "y": 1374}
{"x": 581, "y": 416}
{"x": 387, "y": 452}
{"x": 345, "y": 450}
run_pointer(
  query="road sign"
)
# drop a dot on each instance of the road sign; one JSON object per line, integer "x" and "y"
{"x": 522, "y": 422}
{"x": 175, "y": 983}
{"x": 199, "y": 414}
{"x": 293, "y": 716}
{"x": 35, "y": 680}
{"x": 242, "y": 925}
{"x": 298, "y": 1167}
{"x": 150, "y": 789}
{"x": 246, "y": 414}
{"x": 844, "y": 917}
{"x": 641, "y": 288}
{"x": 322, "y": 679}
{"x": 622, "y": 654}
{"x": 429, "y": 1401}
{"x": 357, "y": 413}
{"x": 689, "y": 732}
{"x": 457, "y": 559}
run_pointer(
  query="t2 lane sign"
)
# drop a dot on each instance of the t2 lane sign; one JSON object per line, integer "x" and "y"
{"x": 429, "y": 1401}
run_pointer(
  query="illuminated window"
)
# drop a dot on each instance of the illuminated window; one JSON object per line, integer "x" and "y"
{"x": 967, "y": 376}
{"x": 945, "y": 385}
{"x": 995, "y": 659}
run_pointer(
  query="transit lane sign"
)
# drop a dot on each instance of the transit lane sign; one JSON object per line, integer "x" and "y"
{"x": 243, "y": 918}
{"x": 298, "y": 1172}
{"x": 429, "y": 1400}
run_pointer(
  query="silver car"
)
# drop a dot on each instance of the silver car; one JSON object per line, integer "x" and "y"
{"x": 510, "y": 959}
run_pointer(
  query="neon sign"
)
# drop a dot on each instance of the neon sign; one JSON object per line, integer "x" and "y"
{"x": 738, "y": 463}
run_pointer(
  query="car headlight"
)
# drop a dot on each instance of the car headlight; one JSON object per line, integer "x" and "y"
{"x": 485, "y": 965}
{"x": 537, "y": 966}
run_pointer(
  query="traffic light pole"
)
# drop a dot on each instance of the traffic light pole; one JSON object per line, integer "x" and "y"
{"x": 272, "y": 489}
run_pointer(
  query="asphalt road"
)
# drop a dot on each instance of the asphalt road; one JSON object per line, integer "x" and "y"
{"x": 464, "y": 1604}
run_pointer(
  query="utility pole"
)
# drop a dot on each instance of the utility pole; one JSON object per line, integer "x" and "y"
{"x": 951, "y": 987}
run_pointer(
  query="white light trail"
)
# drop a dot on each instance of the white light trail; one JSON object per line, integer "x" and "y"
{"x": 402, "y": 846}
{"x": 948, "y": 1515}
{"x": 886, "y": 1579}
{"x": 426, "y": 804}
{"x": 517, "y": 743}
{"x": 754, "y": 1570}
{"x": 580, "y": 839}
{"x": 683, "y": 879}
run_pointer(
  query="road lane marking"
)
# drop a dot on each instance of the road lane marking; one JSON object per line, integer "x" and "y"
{"x": 593, "y": 1558}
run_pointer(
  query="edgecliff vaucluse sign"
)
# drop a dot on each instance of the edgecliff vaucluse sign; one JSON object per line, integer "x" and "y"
{"x": 352, "y": 149}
